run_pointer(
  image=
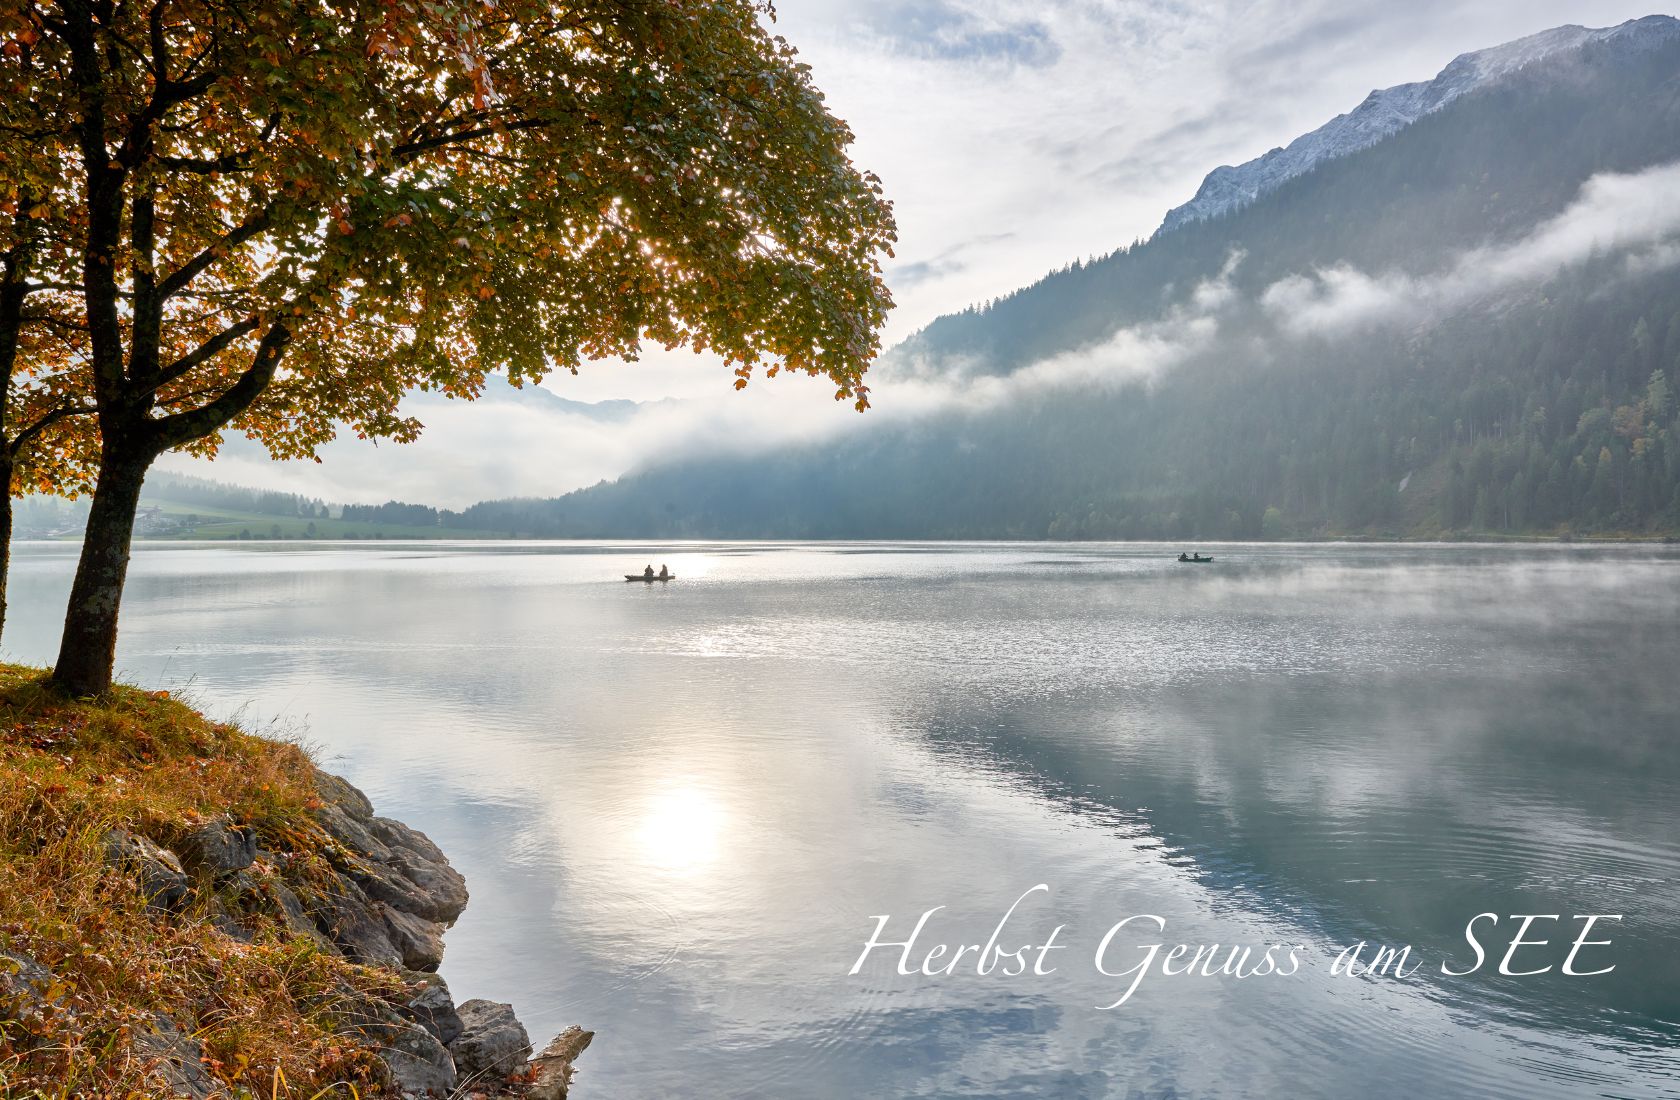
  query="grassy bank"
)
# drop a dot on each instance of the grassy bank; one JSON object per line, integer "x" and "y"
{"x": 269, "y": 1014}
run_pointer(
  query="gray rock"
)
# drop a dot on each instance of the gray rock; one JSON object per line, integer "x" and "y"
{"x": 23, "y": 986}
{"x": 356, "y": 924}
{"x": 431, "y": 1006}
{"x": 288, "y": 905}
{"x": 391, "y": 862}
{"x": 419, "y": 1065}
{"x": 552, "y": 1069}
{"x": 416, "y": 858}
{"x": 22, "y": 976}
{"x": 171, "y": 1058}
{"x": 391, "y": 886}
{"x": 156, "y": 869}
{"x": 350, "y": 831}
{"x": 418, "y": 940}
{"x": 492, "y": 1043}
{"x": 220, "y": 847}
{"x": 227, "y": 924}
{"x": 337, "y": 791}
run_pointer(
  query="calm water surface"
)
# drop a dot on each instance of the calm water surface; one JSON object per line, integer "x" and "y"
{"x": 680, "y": 808}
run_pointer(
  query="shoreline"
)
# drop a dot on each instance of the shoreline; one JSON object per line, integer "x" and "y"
{"x": 139, "y": 833}
{"x": 1480, "y": 539}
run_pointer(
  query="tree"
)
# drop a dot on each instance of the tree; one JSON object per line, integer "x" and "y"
{"x": 36, "y": 451}
{"x": 287, "y": 214}
{"x": 1658, "y": 398}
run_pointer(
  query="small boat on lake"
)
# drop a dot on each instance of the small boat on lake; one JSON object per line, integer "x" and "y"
{"x": 1197, "y": 560}
{"x": 649, "y": 577}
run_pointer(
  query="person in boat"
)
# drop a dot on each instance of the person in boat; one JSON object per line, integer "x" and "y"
{"x": 1182, "y": 556}
{"x": 1198, "y": 556}
{"x": 648, "y": 572}
{"x": 664, "y": 573}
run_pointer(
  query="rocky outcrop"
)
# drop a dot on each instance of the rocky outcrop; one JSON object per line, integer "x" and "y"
{"x": 219, "y": 847}
{"x": 419, "y": 1065}
{"x": 23, "y": 987}
{"x": 431, "y": 1006}
{"x": 174, "y": 1060}
{"x": 492, "y": 1043}
{"x": 384, "y": 897}
{"x": 154, "y": 868}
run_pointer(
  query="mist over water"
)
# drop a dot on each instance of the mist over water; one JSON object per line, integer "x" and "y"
{"x": 679, "y": 808}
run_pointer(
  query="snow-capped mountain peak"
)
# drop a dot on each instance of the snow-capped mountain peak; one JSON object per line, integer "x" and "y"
{"x": 1389, "y": 110}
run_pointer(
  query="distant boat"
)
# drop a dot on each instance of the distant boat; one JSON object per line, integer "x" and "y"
{"x": 649, "y": 578}
{"x": 1197, "y": 560}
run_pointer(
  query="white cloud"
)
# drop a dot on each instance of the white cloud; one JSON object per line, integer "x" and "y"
{"x": 1633, "y": 214}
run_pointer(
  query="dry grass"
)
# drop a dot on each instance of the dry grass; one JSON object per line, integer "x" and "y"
{"x": 270, "y": 1014}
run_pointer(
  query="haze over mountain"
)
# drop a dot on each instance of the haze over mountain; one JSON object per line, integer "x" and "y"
{"x": 1470, "y": 321}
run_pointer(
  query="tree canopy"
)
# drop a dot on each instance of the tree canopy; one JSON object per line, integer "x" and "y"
{"x": 281, "y": 216}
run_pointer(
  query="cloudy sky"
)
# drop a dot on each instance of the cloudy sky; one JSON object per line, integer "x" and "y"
{"x": 1012, "y": 137}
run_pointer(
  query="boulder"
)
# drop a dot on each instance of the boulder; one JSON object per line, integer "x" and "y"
{"x": 418, "y": 940}
{"x": 430, "y": 1005}
{"x": 337, "y": 791}
{"x": 224, "y": 921}
{"x": 219, "y": 847}
{"x": 171, "y": 1058}
{"x": 419, "y": 1065}
{"x": 391, "y": 862}
{"x": 23, "y": 989}
{"x": 411, "y": 854}
{"x": 356, "y": 925}
{"x": 156, "y": 869}
{"x": 290, "y": 908}
{"x": 492, "y": 1043}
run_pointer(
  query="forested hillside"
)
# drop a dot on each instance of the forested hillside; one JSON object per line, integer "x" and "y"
{"x": 1501, "y": 399}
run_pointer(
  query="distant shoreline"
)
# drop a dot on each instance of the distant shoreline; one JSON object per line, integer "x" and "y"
{"x": 1322, "y": 540}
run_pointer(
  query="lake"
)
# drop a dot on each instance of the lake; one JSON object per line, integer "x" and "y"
{"x": 681, "y": 809}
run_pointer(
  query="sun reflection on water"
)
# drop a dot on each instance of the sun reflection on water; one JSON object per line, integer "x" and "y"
{"x": 681, "y": 831}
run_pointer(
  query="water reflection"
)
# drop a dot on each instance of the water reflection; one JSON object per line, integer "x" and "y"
{"x": 679, "y": 832}
{"x": 679, "y": 807}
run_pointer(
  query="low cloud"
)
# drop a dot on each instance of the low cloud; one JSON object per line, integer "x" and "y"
{"x": 1632, "y": 215}
{"x": 500, "y": 447}
{"x": 1628, "y": 215}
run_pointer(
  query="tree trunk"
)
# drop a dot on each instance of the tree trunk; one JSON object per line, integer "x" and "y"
{"x": 89, "y": 649}
{"x": 5, "y": 533}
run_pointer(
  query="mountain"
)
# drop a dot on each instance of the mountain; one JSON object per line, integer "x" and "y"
{"x": 499, "y": 391}
{"x": 1389, "y": 110}
{"x": 1471, "y": 325}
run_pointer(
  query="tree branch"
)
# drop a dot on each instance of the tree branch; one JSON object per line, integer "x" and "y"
{"x": 174, "y": 430}
{"x": 202, "y": 354}
{"x": 14, "y": 449}
{"x": 253, "y": 226}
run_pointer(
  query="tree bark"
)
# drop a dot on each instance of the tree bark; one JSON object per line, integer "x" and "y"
{"x": 5, "y": 530}
{"x": 89, "y": 649}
